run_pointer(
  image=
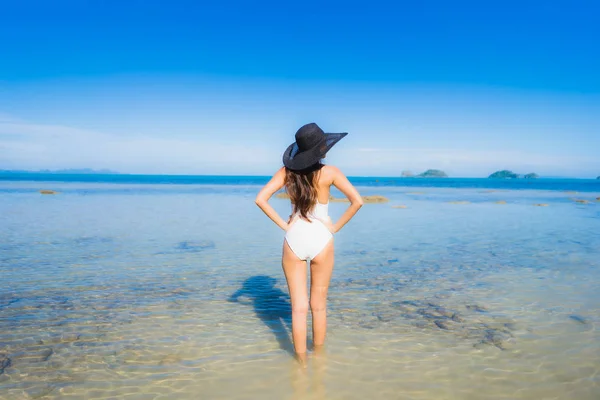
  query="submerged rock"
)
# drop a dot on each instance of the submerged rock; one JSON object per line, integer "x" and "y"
{"x": 5, "y": 362}
{"x": 441, "y": 324}
{"x": 475, "y": 307}
{"x": 581, "y": 201}
{"x": 497, "y": 338}
{"x": 44, "y": 191}
{"x": 195, "y": 246}
{"x": 579, "y": 318}
{"x": 338, "y": 199}
{"x": 501, "y": 202}
{"x": 375, "y": 199}
{"x": 541, "y": 205}
{"x": 366, "y": 199}
{"x": 399, "y": 206}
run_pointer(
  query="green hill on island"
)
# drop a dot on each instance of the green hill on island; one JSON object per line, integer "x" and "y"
{"x": 504, "y": 174}
{"x": 532, "y": 175}
{"x": 433, "y": 173}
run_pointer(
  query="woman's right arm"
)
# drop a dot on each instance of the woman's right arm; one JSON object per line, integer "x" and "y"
{"x": 343, "y": 185}
{"x": 262, "y": 198}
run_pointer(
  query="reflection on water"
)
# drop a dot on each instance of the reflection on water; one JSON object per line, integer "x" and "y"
{"x": 180, "y": 294}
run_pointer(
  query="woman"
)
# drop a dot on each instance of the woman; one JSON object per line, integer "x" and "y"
{"x": 309, "y": 230}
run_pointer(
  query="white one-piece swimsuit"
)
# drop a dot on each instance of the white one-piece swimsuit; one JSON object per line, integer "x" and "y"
{"x": 308, "y": 239}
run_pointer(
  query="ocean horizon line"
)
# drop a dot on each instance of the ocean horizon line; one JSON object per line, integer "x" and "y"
{"x": 134, "y": 174}
{"x": 53, "y": 181}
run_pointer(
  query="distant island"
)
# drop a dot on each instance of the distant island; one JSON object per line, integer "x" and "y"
{"x": 60, "y": 171}
{"x": 407, "y": 174}
{"x": 598, "y": 177}
{"x": 506, "y": 174}
{"x": 433, "y": 173}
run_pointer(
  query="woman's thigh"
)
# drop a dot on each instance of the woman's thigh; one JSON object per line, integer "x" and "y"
{"x": 321, "y": 269}
{"x": 295, "y": 275}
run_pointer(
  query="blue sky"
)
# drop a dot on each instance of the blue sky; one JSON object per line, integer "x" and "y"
{"x": 193, "y": 88}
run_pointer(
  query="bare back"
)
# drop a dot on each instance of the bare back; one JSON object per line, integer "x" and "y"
{"x": 325, "y": 179}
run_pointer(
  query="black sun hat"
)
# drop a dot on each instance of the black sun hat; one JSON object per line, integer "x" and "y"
{"x": 310, "y": 147}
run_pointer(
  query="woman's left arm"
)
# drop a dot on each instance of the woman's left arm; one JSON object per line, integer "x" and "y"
{"x": 262, "y": 198}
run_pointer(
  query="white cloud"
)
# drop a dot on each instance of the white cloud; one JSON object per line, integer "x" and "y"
{"x": 33, "y": 146}
{"x": 25, "y": 145}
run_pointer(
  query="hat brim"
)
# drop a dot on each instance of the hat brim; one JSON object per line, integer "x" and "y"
{"x": 301, "y": 160}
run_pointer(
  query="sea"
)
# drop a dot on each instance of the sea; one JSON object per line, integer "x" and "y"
{"x": 171, "y": 287}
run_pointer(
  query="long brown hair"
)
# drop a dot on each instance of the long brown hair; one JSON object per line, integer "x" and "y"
{"x": 302, "y": 188}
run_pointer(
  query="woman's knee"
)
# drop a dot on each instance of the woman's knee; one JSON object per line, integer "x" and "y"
{"x": 318, "y": 304}
{"x": 300, "y": 307}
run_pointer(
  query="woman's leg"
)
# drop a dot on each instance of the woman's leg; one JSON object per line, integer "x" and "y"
{"x": 295, "y": 275}
{"x": 321, "y": 268}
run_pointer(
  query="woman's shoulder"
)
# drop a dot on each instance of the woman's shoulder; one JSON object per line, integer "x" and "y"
{"x": 331, "y": 172}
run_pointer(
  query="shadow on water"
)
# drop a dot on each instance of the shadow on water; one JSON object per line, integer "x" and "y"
{"x": 270, "y": 304}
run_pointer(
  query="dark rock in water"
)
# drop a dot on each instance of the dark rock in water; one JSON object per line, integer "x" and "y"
{"x": 475, "y": 307}
{"x": 405, "y": 303}
{"x": 444, "y": 312}
{"x": 366, "y": 325}
{"x": 496, "y": 338}
{"x": 425, "y": 313}
{"x": 195, "y": 246}
{"x": 578, "y": 318}
{"x": 441, "y": 324}
{"x": 457, "y": 318}
{"x": 384, "y": 317}
{"x": 375, "y": 199}
{"x": 5, "y": 362}
{"x": 43, "y": 191}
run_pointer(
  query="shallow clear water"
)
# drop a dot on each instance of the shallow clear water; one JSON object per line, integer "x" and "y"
{"x": 176, "y": 291}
